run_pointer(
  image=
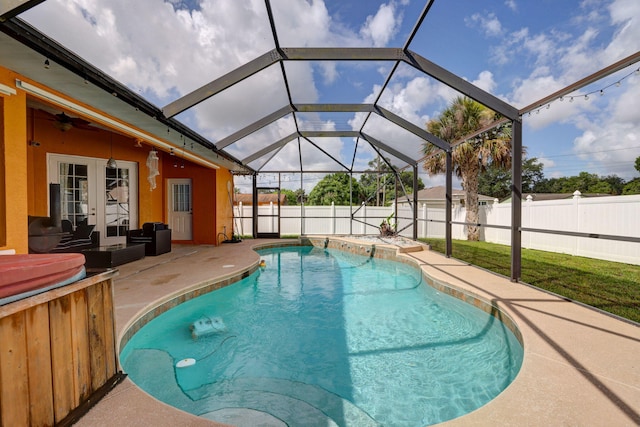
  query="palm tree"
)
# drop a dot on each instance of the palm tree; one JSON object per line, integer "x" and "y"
{"x": 464, "y": 117}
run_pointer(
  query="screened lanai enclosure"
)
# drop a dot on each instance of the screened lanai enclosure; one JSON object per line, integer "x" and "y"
{"x": 295, "y": 93}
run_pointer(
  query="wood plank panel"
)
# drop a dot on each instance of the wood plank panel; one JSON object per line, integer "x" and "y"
{"x": 14, "y": 375}
{"x": 109, "y": 328}
{"x": 80, "y": 342}
{"x": 96, "y": 336}
{"x": 61, "y": 356}
{"x": 40, "y": 383}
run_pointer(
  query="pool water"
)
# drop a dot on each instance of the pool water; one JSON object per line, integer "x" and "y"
{"x": 322, "y": 337}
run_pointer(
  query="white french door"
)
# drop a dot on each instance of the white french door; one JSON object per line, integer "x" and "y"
{"x": 180, "y": 208}
{"x": 107, "y": 198}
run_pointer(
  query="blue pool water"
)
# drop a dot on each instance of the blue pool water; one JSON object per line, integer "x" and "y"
{"x": 322, "y": 337}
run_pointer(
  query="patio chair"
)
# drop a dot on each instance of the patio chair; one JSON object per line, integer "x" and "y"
{"x": 156, "y": 237}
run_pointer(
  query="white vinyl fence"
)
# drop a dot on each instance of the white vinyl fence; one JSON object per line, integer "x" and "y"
{"x": 613, "y": 216}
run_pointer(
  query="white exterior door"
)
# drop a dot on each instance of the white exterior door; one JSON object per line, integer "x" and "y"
{"x": 180, "y": 208}
{"x": 106, "y": 197}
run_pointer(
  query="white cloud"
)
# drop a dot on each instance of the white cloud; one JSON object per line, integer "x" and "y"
{"x": 382, "y": 26}
{"x": 612, "y": 140}
{"x": 511, "y": 4}
{"x": 489, "y": 23}
{"x": 485, "y": 81}
{"x": 548, "y": 163}
{"x": 563, "y": 58}
{"x": 170, "y": 52}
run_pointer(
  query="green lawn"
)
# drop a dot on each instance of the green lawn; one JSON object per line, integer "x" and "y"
{"x": 609, "y": 286}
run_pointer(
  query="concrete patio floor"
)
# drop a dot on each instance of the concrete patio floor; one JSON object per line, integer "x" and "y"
{"x": 581, "y": 367}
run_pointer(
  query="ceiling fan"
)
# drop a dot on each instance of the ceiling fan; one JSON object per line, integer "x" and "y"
{"x": 65, "y": 123}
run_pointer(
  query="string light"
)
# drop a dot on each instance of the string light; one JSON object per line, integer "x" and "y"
{"x": 586, "y": 95}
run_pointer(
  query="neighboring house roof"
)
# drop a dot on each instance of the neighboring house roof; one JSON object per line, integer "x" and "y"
{"x": 263, "y": 199}
{"x": 438, "y": 193}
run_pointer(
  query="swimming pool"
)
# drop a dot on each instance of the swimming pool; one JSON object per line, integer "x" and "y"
{"x": 324, "y": 337}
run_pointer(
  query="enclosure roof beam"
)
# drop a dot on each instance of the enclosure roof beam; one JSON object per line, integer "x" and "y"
{"x": 218, "y": 85}
{"x": 273, "y": 154}
{"x": 443, "y": 145}
{"x": 371, "y": 140}
{"x": 269, "y": 148}
{"x": 9, "y": 9}
{"x": 411, "y": 58}
{"x": 333, "y": 108}
{"x": 338, "y": 54}
{"x": 418, "y": 24}
{"x": 253, "y": 127}
{"x": 382, "y": 112}
{"x": 329, "y": 133}
{"x": 617, "y": 66}
{"x": 461, "y": 85}
{"x": 325, "y": 153}
{"x": 341, "y": 54}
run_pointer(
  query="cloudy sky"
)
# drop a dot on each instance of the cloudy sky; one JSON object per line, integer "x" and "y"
{"x": 519, "y": 51}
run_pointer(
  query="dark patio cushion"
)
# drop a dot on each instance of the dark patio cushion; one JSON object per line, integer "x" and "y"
{"x": 149, "y": 227}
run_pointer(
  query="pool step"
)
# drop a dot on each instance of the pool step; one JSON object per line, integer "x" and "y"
{"x": 285, "y": 409}
{"x": 266, "y": 402}
{"x": 152, "y": 371}
{"x": 295, "y": 403}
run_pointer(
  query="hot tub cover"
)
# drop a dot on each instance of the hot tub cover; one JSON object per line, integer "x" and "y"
{"x": 25, "y": 275}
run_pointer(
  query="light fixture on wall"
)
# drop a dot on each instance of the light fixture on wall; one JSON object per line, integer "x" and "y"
{"x": 47, "y": 64}
{"x": 111, "y": 163}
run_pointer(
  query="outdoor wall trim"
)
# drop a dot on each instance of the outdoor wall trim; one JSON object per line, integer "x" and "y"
{"x": 6, "y": 90}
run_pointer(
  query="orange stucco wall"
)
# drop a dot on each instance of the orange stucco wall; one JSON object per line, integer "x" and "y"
{"x": 13, "y": 223}
{"x": 87, "y": 143}
{"x": 211, "y": 212}
{"x": 24, "y": 182}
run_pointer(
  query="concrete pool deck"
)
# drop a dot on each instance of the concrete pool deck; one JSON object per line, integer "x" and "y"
{"x": 581, "y": 367}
